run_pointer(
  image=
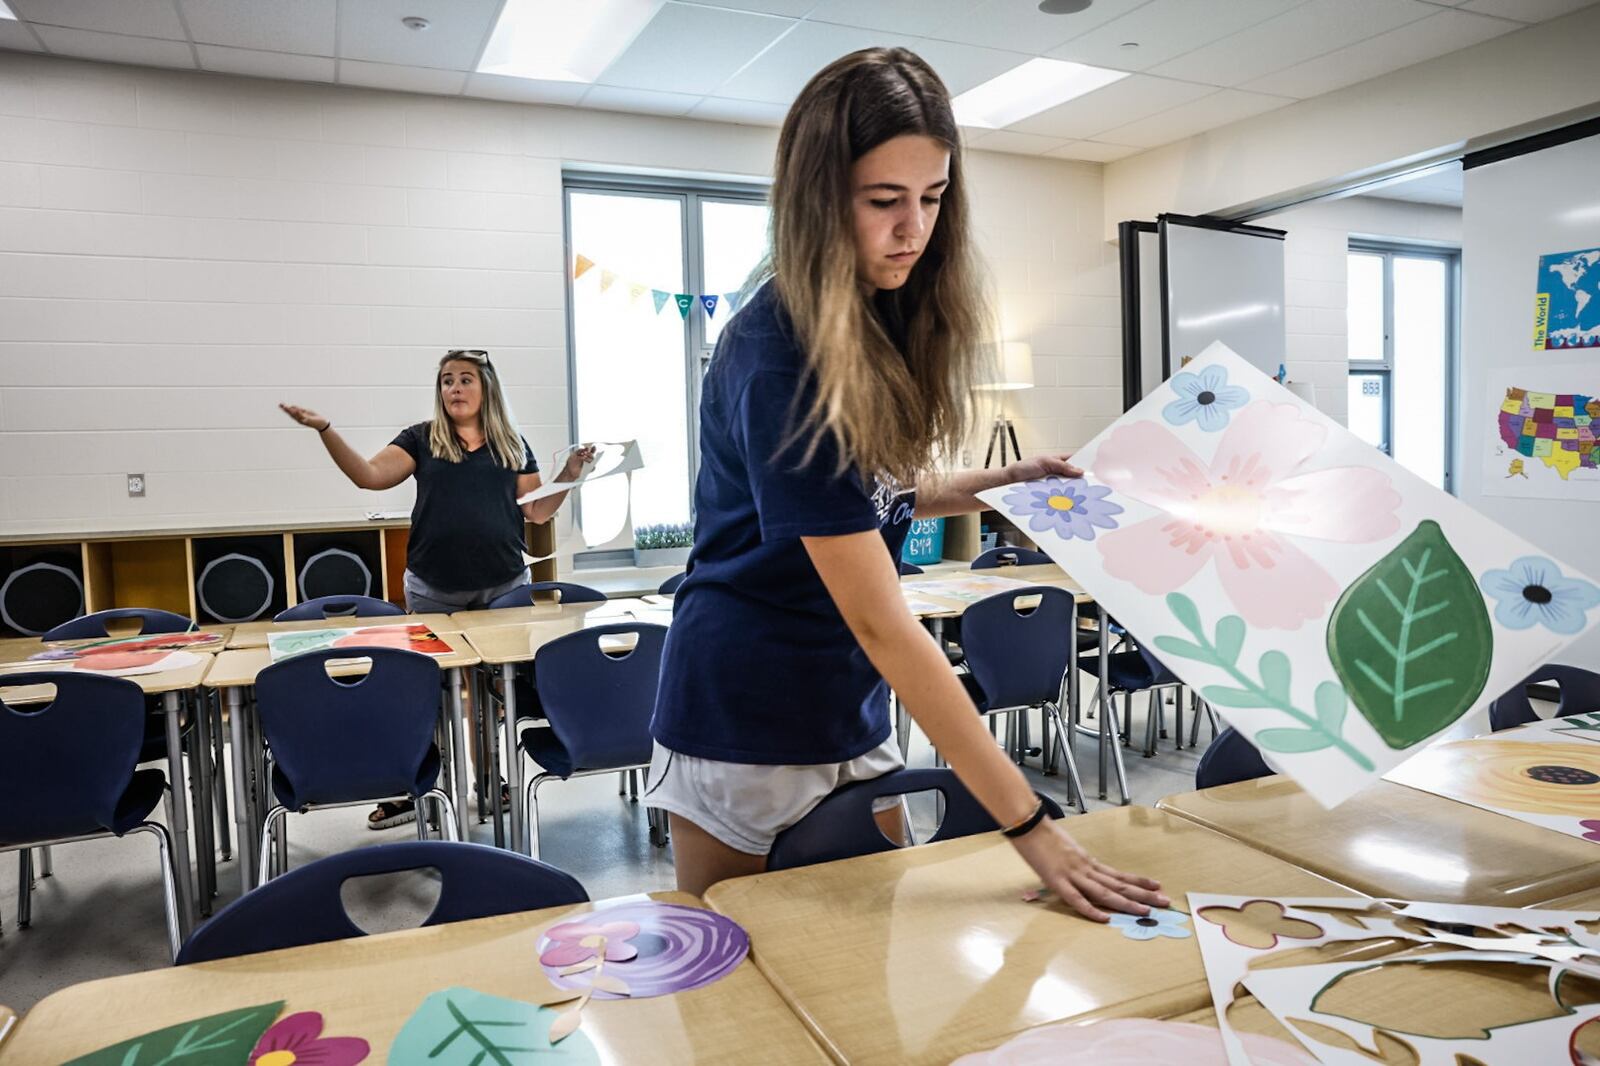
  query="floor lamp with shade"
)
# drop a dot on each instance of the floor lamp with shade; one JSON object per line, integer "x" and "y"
{"x": 1016, "y": 373}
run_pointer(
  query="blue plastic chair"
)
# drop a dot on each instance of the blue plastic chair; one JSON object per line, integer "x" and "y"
{"x": 1580, "y": 694}
{"x": 90, "y": 626}
{"x": 1018, "y": 658}
{"x": 304, "y": 905}
{"x": 67, "y": 772}
{"x": 566, "y": 592}
{"x": 670, "y": 585}
{"x": 1230, "y": 758}
{"x": 842, "y": 825}
{"x": 998, "y": 557}
{"x": 907, "y": 569}
{"x": 338, "y": 607}
{"x": 1124, "y": 673}
{"x": 339, "y": 742}
{"x": 598, "y": 705}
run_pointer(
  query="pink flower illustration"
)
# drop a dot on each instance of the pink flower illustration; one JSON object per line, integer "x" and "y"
{"x": 297, "y": 1040}
{"x": 1245, "y": 510}
{"x": 569, "y": 945}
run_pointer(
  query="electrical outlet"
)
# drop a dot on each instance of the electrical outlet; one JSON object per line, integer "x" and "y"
{"x": 135, "y": 484}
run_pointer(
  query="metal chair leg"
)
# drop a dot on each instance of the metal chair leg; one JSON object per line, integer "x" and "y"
{"x": 1155, "y": 711}
{"x": 24, "y": 888}
{"x": 633, "y": 786}
{"x": 1074, "y": 782}
{"x": 444, "y": 811}
{"x": 169, "y": 881}
{"x": 622, "y": 784}
{"x": 1116, "y": 749}
{"x": 47, "y": 866}
{"x": 269, "y": 838}
{"x": 530, "y": 812}
{"x": 1194, "y": 718}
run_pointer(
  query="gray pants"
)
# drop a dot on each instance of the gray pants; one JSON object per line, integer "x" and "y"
{"x": 423, "y": 598}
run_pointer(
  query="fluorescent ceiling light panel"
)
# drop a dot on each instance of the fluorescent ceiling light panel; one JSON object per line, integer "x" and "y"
{"x": 563, "y": 40}
{"x": 1035, "y": 86}
{"x": 6, "y": 12}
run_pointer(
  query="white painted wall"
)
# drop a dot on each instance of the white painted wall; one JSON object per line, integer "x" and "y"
{"x": 179, "y": 252}
{"x": 1455, "y": 100}
{"x": 1315, "y": 270}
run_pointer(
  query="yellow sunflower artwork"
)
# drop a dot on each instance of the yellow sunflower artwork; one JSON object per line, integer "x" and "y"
{"x": 1554, "y": 779}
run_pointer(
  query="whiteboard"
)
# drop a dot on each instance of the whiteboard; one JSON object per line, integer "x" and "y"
{"x": 1222, "y": 285}
{"x": 1515, "y": 211}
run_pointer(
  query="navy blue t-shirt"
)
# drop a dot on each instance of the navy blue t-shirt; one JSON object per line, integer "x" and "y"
{"x": 759, "y": 665}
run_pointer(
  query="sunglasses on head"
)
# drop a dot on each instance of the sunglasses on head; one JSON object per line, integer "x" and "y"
{"x": 475, "y": 355}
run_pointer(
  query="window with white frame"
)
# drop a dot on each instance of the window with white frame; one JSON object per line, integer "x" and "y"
{"x": 637, "y": 249}
{"x": 1401, "y": 319}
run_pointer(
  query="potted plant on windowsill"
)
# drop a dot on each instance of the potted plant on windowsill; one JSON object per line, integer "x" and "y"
{"x": 662, "y": 545}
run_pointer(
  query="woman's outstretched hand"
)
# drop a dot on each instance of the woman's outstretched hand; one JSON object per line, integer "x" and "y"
{"x": 305, "y": 416}
{"x": 1083, "y": 882}
{"x": 576, "y": 460}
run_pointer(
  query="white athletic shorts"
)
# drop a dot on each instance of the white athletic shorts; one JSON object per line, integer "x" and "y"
{"x": 746, "y": 806}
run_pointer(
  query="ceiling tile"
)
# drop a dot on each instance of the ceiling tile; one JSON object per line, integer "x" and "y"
{"x": 1129, "y": 100}
{"x": 1437, "y": 35}
{"x": 303, "y": 26}
{"x": 898, "y": 16}
{"x": 256, "y": 64}
{"x": 1525, "y": 10}
{"x": 1197, "y": 116}
{"x": 639, "y": 101}
{"x": 140, "y": 18}
{"x": 788, "y": 8}
{"x": 403, "y": 79}
{"x": 371, "y": 30}
{"x": 1166, "y": 29}
{"x": 692, "y": 49}
{"x": 115, "y": 48}
{"x": 1307, "y": 31}
{"x": 964, "y": 66}
{"x": 525, "y": 90}
{"x": 779, "y": 73}
{"x": 16, "y": 36}
{"x": 1020, "y": 26}
{"x": 1092, "y": 151}
{"x": 1015, "y": 143}
{"x": 744, "y": 112}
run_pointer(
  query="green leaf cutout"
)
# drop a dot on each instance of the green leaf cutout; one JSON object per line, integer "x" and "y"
{"x": 216, "y": 1040}
{"x": 1332, "y": 704}
{"x": 1410, "y": 639}
{"x": 1230, "y": 638}
{"x": 465, "y": 1027}
{"x": 1291, "y": 740}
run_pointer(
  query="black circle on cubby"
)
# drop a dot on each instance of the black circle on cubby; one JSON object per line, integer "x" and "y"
{"x": 36, "y": 598}
{"x": 334, "y": 572}
{"x": 235, "y": 588}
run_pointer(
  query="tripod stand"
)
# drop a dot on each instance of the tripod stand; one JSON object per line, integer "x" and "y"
{"x": 1002, "y": 430}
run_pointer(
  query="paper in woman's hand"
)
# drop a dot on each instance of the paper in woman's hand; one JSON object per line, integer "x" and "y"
{"x": 610, "y": 457}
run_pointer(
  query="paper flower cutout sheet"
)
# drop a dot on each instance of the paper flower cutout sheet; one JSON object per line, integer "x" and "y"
{"x": 1332, "y": 606}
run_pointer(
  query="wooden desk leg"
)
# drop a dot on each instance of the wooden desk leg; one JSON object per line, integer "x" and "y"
{"x": 458, "y": 740}
{"x": 180, "y": 816}
{"x": 205, "y": 841}
{"x": 519, "y": 833}
{"x": 244, "y": 828}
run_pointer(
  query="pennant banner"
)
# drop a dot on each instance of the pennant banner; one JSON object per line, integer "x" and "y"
{"x": 685, "y": 303}
{"x": 709, "y": 302}
{"x": 607, "y": 279}
{"x": 660, "y": 298}
{"x": 635, "y": 291}
{"x": 583, "y": 263}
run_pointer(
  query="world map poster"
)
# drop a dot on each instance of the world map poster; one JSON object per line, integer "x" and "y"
{"x": 1540, "y": 429}
{"x": 1566, "y": 309}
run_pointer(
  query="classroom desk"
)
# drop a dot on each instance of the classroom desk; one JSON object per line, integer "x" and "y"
{"x": 168, "y": 684}
{"x": 369, "y": 987}
{"x": 1397, "y": 842}
{"x": 254, "y": 634}
{"x": 8, "y": 1022}
{"x": 923, "y": 954}
{"x": 235, "y": 670}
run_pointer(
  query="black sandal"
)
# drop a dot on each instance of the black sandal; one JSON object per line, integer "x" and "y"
{"x": 392, "y": 813}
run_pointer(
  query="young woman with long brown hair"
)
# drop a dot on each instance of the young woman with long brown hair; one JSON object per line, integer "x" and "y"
{"x": 831, "y": 395}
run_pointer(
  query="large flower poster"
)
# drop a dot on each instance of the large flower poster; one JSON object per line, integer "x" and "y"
{"x": 1332, "y": 606}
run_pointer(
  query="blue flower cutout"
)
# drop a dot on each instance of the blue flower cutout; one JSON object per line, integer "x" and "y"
{"x": 1068, "y": 507}
{"x": 1205, "y": 397}
{"x": 1534, "y": 592}
{"x": 1159, "y": 922}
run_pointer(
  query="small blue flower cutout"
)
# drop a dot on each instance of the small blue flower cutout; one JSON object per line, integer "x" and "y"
{"x": 1204, "y": 397}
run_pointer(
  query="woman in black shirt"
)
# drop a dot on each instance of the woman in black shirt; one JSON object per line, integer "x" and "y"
{"x": 471, "y": 465}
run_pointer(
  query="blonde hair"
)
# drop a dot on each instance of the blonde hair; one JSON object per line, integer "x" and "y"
{"x": 893, "y": 383}
{"x": 494, "y": 416}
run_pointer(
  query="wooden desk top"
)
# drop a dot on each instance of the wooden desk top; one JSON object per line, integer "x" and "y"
{"x": 1394, "y": 841}
{"x": 254, "y": 634}
{"x": 238, "y": 667}
{"x": 153, "y": 684}
{"x": 18, "y": 649}
{"x": 920, "y": 955}
{"x": 539, "y": 612}
{"x": 369, "y": 987}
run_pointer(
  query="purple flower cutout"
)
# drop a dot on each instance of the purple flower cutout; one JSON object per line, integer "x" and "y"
{"x": 1204, "y": 397}
{"x": 1534, "y": 591}
{"x": 1591, "y": 826}
{"x": 1068, "y": 507}
{"x": 298, "y": 1039}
